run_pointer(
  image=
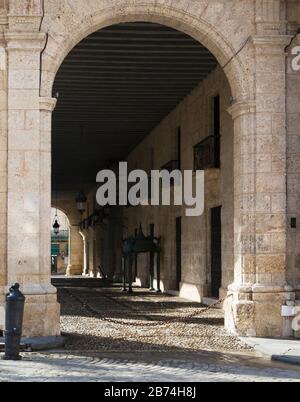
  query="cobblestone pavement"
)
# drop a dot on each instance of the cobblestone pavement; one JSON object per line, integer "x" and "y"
{"x": 135, "y": 322}
{"x": 142, "y": 368}
{"x": 192, "y": 350}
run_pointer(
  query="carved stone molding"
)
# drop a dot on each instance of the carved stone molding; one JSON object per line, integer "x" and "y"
{"x": 271, "y": 44}
{"x": 271, "y": 16}
{"x": 34, "y": 41}
{"x": 241, "y": 108}
{"x": 25, "y": 15}
{"x": 271, "y": 40}
{"x": 48, "y": 104}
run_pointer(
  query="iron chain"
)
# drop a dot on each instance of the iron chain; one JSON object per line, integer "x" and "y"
{"x": 93, "y": 312}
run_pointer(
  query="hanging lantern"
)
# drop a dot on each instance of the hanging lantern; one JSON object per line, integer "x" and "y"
{"x": 56, "y": 227}
{"x": 81, "y": 201}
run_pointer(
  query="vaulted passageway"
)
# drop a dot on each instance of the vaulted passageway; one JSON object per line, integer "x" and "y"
{"x": 156, "y": 98}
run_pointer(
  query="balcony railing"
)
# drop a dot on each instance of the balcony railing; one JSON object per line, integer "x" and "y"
{"x": 207, "y": 153}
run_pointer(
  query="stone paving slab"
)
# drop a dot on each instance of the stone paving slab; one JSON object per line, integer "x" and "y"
{"x": 287, "y": 351}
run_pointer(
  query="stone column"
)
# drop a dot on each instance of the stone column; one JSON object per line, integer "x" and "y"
{"x": 85, "y": 253}
{"x": 293, "y": 163}
{"x": 3, "y": 176}
{"x": 92, "y": 260}
{"x": 260, "y": 287}
{"x": 76, "y": 250}
{"x": 29, "y": 199}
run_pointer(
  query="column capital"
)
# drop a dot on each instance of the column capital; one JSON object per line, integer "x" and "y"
{"x": 271, "y": 41}
{"x": 28, "y": 41}
{"x": 242, "y": 107}
{"x": 297, "y": 40}
{"x": 2, "y": 40}
{"x": 47, "y": 104}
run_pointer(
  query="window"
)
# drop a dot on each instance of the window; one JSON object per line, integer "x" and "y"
{"x": 216, "y": 131}
{"x": 178, "y": 141}
{"x": 207, "y": 152}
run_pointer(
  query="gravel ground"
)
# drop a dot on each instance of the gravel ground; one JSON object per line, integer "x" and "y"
{"x": 135, "y": 318}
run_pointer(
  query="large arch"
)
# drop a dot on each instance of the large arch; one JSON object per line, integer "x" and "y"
{"x": 79, "y": 25}
{"x": 235, "y": 59}
{"x": 244, "y": 39}
{"x": 207, "y": 34}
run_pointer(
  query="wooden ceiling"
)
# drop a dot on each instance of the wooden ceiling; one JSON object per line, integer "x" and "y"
{"x": 114, "y": 87}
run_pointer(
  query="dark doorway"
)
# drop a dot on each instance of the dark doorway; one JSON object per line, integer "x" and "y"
{"x": 178, "y": 252}
{"x": 217, "y": 129}
{"x": 179, "y": 147}
{"x": 216, "y": 251}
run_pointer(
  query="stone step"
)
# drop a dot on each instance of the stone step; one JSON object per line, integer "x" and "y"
{"x": 84, "y": 282}
{"x": 297, "y": 302}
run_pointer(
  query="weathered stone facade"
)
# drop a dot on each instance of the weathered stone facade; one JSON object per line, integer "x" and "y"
{"x": 250, "y": 39}
{"x": 194, "y": 117}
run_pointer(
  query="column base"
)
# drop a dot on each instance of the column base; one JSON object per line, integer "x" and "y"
{"x": 42, "y": 311}
{"x": 2, "y": 308}
{"x": 74, "y": 270}
{"x": 256, "y": 311}
{"x": 42, "y": 314}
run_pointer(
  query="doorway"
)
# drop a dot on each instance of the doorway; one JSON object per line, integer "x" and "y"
{"x": 216, "y": 251}
{"x": 178, "y": 252}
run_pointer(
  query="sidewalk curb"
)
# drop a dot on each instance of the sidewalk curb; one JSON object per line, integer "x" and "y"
{"x": 286, "y": 351}
{"x": 38, "y": 344}
{"x": 295, "y": 360}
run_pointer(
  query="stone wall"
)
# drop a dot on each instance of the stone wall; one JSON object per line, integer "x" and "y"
{"x": 194, "y": 116}
{"x": 293, "y": 150}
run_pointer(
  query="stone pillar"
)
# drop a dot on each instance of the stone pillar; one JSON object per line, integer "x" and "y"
{"x": 293, "y": 163}
{"x": 29, "y": 199}
{"x": 3, "y": 176}
{"x": 260, "y": 287}
{"x": 76, "y": 250}
{"x": 85, "y": 254}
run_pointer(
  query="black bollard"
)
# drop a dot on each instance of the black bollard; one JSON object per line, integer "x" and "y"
{"x": 130, "y": 273}
{"x": 124, "y": 289}
{"x": 14, "y": 312}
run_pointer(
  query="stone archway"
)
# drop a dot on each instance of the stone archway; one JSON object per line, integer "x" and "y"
{"x": 174, "y": 17}
{"x": 260, "y": 287}
{"x": 60, "y": 241}
{"x": 76, "y": 244}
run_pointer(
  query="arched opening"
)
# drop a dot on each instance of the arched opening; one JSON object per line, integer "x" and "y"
{"x": 242, "y": 109}
{"x": 155, "y": 97}
{"x": 60, "y": 240}
{"x": 42, "y": 43}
